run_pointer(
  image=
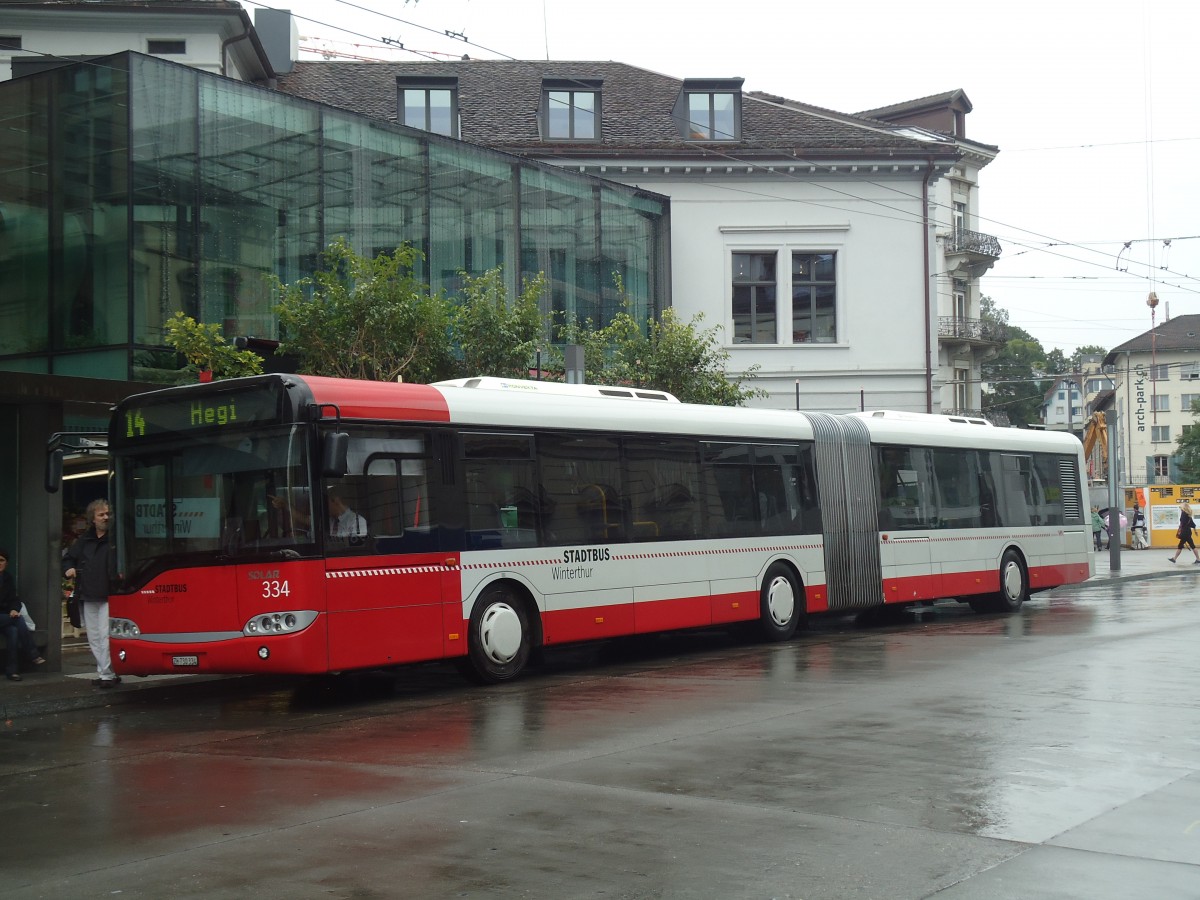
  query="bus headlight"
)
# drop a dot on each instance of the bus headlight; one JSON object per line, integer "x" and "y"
{"x": 284, "y": 622}
{"x": 123, "y": 628}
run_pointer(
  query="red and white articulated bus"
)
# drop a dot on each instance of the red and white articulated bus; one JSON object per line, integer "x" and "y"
{"x": 295, "y": 524}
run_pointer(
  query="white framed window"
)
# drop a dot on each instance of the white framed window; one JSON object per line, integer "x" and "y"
{"x": 814, "y": 298}
{"x": 1161, "y": 467}
{"x": 1160, "y": 434}
{"x": 1189, "y": 371}
{"x": 1186, "y": 401}
{"x": 755, "y": 298}
{"x": 1162, "y": 403}
{"x": 962, "y": 388}
{"x": 1160, "y": 373}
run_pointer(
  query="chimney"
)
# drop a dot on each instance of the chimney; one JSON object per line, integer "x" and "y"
{"x": 278, "y": 35}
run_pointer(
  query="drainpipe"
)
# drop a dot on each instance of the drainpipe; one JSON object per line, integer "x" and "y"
{"x": 245, "y": 35}
{"x": 928, "y": 299}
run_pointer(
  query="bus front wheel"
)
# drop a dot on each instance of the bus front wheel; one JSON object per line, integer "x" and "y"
{"x": 498, "y": 639}
{"x": 780, "y": 604}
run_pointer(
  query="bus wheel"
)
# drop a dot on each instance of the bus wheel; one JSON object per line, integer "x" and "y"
{"x": 1014, "y": 587}
{"x": 498, "y": 642}
{"x": 779, "y": 604}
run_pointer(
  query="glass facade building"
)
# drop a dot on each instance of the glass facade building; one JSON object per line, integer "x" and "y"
{"x": 132, "y": 188}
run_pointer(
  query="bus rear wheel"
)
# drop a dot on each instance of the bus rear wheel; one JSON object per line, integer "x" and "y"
{"x": 1014, "y": 587}
{"x": 780, "y": 604}
{"x": 498, "y": 637}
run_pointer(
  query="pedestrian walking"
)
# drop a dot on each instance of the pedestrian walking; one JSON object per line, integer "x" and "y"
{"x": 1186, "y": 526}
{"x": 90, "y": 562}
{"x": 18, "y": 642}
{"x": 1097, "y": 526}
{"x": 1138, "y": 537}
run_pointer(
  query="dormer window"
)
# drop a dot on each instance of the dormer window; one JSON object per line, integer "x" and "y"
{"x": 430, "y": 104}
{"x": 570, "y": 110}
{"x": 710, "y": 110}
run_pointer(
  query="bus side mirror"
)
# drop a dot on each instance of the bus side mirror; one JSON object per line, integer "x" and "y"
{"x": 335, "y": 454}
{"x": 54, "y": 471}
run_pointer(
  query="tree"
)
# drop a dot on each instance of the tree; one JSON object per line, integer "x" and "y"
{"x": 495, "y": 336}
{"x": 670, "y": 355}
{"x": 205, "y": 349}
{"x": 1056, "y": 363}
{"x": 366, "y": 318}
{"x": 1187, "y": 449}
{"x": 1017, "y": 391}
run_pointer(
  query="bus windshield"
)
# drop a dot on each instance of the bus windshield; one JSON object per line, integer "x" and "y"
{"x": 226, "y": 496}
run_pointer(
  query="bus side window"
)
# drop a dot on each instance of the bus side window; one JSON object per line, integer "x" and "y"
{"x": 732, "y": 495}
{"x": 905, "y": 488}
{"x": 957, "y": 473}
{"x": 580, "y": 482}
{"x": 662, "y": 477}
{"x": 500, "y": 489}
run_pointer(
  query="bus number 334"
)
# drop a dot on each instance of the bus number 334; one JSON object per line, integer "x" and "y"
{"x": 275, "y": 589}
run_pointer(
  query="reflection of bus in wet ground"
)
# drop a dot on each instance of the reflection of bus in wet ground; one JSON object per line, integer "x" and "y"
{"x": 299, "y": 524}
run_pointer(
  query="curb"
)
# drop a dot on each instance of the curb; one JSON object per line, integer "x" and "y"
{"x": 202, "y": 687}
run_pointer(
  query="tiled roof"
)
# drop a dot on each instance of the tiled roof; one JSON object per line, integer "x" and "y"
{"x": 499, "y": 101}
{"x": 1179, "y": 333}
{"x": 933, "y": 100}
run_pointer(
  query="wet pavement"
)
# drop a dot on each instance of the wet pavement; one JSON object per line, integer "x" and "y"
{"x": 1051, "y": 754}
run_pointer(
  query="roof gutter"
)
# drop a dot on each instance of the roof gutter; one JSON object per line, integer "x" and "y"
{"x": 248, "y": 33}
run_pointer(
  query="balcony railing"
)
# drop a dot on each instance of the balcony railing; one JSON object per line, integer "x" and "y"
{"x": 962, "y": 241}
{"x": 971, "y": 330}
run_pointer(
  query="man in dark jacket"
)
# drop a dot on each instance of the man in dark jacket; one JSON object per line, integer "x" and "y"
{"x": 18, "y": 641}
{"x": 89, "y": 562}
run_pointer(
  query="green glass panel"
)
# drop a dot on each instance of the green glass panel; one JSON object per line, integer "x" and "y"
{"x": 88, "y": 210}
{"x": 260, "y": 203}
{"x": 471, "y": 200}
{"x": 165, "y": 190}
{"x": 375, "y": 186}
{"x": 559, "y": 237}
{"x": 38, "y": 365}
{"x": 112, "y": 364}
{"x": 24, "y": 199}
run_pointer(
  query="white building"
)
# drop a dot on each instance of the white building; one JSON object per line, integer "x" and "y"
{"x": 1063, "y": 406}
{"x": 833, "y": 250}
{"x": 1157, "y": 377}
{"x": 214, "y": 35}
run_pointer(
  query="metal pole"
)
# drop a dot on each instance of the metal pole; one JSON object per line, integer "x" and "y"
{"x": 1114, "y": 491}
{"x": 797, "y": 395}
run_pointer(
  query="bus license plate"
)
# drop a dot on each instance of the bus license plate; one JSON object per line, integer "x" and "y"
{"x": 185, "y": 660}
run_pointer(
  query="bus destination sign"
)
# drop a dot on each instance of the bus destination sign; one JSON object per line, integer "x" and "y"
{"x": 209, "y": 411}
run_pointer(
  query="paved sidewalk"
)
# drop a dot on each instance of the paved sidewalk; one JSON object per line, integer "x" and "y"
{"x": 43, "y": 692}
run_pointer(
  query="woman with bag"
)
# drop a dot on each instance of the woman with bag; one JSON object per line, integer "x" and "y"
{"x": 1186, "y": 526}
{"x": 18, "y": 642}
